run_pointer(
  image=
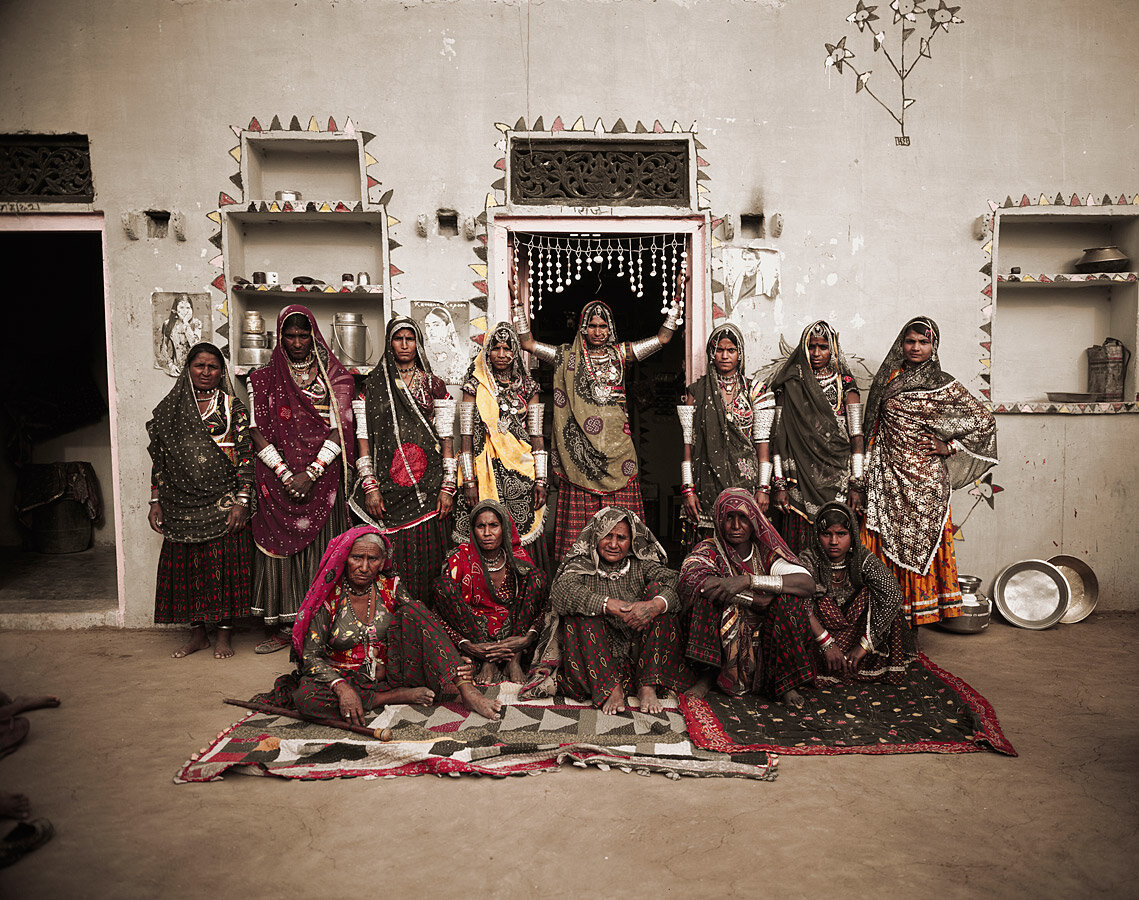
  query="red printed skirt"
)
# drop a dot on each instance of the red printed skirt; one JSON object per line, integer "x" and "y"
{"x": 207, "y": 582}
{"x": 576, "y": 506}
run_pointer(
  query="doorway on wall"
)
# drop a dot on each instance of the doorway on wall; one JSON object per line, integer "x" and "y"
{"x": 58, "y": 548}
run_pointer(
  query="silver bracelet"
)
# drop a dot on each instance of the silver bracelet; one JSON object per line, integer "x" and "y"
{"x": 467, "y": 465}
{"x": 521, "y": 320}
{"x": 767, "y": 584}
{"x": 450, "y": 467}
{"x": 762, "y": 420}
{"x": 675, "y": 317}
{"x": 765, "y": 470}
{"x": 541, "y": 465}
{"x": 360, "y": 412}
{"x": 535, "y": 415}
{"x": 364, "y": 467}
{"x": 270, "y": 456}
{"x": 854, "y": 418}
{"x": 645, "y": 348}
{"x": 665, "y": 599}
{"x": 687, "y": 416}
{"x": 777, "y": 466}
{"x": 329, "y": 450}
{"x": 467, "y": 414}
{"x": 545, "y": 352}
{"x": 857, "y": 465}
{"x": 686, "y": 473}
{"x": 445, "y": 418}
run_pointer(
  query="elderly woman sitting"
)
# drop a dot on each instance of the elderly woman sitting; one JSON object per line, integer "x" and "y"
{"x": 613, "y": 623}
{"x": 362, "y": 641}
{"x": 490, "y": 596}
{"x": 749, "y": 626}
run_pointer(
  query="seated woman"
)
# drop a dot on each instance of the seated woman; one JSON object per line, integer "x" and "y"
{"x": 857, "y": 619}
{"x": 490, "y": 596}
{"x": 362, "y": 641}
{"x": 613, "y": 623}
{"x": 748, "y": 626}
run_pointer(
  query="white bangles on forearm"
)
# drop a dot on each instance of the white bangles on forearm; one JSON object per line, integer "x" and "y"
{"x": 535, "y": 414}
{"x": 467, "y": 465}
{"x": 467, "y": 414}
{"x": 687, "y": 416}
{"x": 360, "y": 411}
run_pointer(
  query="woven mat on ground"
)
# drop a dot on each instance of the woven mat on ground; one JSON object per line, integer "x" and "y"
{"x": 935, "y": 712}
{"x": 531, "y": 737}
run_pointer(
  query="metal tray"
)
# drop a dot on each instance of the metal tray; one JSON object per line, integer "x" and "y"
{"x": 1032, "y": 594}
{"x": 1083, "y": 585}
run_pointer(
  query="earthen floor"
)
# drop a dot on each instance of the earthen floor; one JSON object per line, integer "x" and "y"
{"x": 1060, "y": 820}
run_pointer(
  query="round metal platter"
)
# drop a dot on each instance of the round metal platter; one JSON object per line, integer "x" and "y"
{"x": 1083, "y": 584}
{"x": 1032, "y": 594}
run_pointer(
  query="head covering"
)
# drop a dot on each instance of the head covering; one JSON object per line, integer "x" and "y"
{"x": 288, "y": 419}
{"x": 723, "y": 452}
{"x": 591, "y": 425}
{"x": 198, "y": 478}
{"x": 818, "y": 562}
{"x": 503, "y": 455}
{"x": 763, "y": 535}
{"x": 810, "y": 435}
{"x": 407, "y": 455}
{"x": 331, "y": 571}
{"x": 583, "y": 558}
{"x": 927, "y": 376}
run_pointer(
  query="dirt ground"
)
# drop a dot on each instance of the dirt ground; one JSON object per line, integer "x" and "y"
{"x": 1059, "y": 820}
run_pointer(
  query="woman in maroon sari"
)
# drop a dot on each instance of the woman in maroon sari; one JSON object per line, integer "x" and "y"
{"x": 302, "y": 433}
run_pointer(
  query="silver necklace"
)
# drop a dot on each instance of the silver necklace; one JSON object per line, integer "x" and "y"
{"x": 501, "y": 563}
{"x": 615, "y": 574}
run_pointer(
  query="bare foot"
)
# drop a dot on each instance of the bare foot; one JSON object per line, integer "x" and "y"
{"x": 199, "y": 640}
{"x": 514, "y": 671}
{"x": 793, "y": 699}
{"x": 12, "y": 734}
{"x": 417, "y": 696}
{"x": 14, "y": 806}
{"x": 650, "y": 702}
{"x": 488, "y": 674}
{"x": 700, "y": 689}
{"x": 615, "y": 702}
{"x": 474, "y": 700}
{"x": 224, "y": 648}
{"x": 24, "y": 702}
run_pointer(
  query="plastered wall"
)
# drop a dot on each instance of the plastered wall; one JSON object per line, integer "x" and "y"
{"x": 1020, "y": 97}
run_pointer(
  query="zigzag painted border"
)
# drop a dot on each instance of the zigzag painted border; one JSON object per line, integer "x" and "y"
{"x": 991, "y": 279}
{"x": 329, "y": 206}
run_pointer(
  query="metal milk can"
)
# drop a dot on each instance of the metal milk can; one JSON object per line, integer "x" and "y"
{"x": 350, "y": 338}
{"x": 1107, "y": 367}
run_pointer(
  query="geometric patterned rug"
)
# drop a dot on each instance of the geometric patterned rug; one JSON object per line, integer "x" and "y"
{"x": 934, "y": 712}
{"x": 531, "y": 737}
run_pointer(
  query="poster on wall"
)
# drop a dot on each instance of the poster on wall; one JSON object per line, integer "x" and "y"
{"x": 750, "y": 279}
{"x": 180, "y": 320}
{"x": 445, "y": 327}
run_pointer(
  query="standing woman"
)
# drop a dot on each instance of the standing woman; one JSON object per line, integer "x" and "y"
{"x": 726, "y": 426}
{"x": 302, "y": 422}
{"x": 503, "y": 455}
{"x": 405, "y": 420}
{"x": 201, "y": 492}
{"x": 928, "y": 437}
{"x": 595, "y": 458}
{"x": 818, "y": 439}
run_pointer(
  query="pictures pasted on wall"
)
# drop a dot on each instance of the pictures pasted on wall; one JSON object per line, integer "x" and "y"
{"x": 909, "y": 17}
{"x": 444, "y": 328}
{"x": 179, "y": 320}
{"x": 749, "y": 279}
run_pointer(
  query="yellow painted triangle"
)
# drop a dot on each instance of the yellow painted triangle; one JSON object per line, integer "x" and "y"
{"x": 369, "y": 160}
{"x": 262, "y": 287}
{"x": 1027, "y": 278}
{"x": 329, "y": 289}
{"x": 224, "y": 308}
{"x": 1064, "y": 409}
{"x": 479, "y": 268}
{"x": 392, "y": 221}
{"x": 1044, "y": 201}
{"x": 490, "y": 200}
{"x": 479, "y": 324}
{"x": 324, "y": 207}
{"x": 988, "y": 248}
{"x": 214, "y": 217}
{"x": 274, "y": 207}
{"x": 236, "y": 153}
{"x": 579, "y": 125}
{"x": 987, "y": 363}
{"x": 716, "y": 242}
{"x": 1135, "y": 200}
{"x": 700, "y": 189}
{"x": 312, "y": 124}
{"x": 502, "y": 126}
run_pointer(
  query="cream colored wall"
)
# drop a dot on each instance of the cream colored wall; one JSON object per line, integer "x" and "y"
{"x": 1024, "y": 97}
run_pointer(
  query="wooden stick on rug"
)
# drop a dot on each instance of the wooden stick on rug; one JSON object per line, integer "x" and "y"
{"x": 380, "y": 734}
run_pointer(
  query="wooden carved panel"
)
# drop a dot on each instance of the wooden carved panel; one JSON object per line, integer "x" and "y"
{"x": 46, "y": 167}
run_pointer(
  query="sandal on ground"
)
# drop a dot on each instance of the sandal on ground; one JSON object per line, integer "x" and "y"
{"x": 23, "y": 839}
{"x": 12, "y": 734}
{"x": 272, "y": 644}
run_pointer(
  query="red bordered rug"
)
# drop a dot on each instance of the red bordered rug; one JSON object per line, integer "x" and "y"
{"x": 934, "y": 712}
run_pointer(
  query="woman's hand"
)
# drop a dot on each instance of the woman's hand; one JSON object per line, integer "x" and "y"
{"x": 539, "y": 496}
{"x": 763, "y": 501}
{"x": 444, "y": 504}
{"x": 835, "y": 660}
{"x": 471, "y": 492}
{"x": 374, "y": 504}
{"x": 351, "y": 708}
{"x": 299, "y": 487}
{"x": 782, "y": 500}
{"x": 238, "y": 516}
{"x": 154, "y": 517}
{"x": 639, "y": 615}
{"x": 857, "y": 501}
{"x": 935, "y": 446}
{"x": 854, "y": 659}
{"x": 692, "y": 506}
{"x": 723, "y": 590}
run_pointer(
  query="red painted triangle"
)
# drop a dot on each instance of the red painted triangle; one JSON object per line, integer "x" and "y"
{"x": 557, "y": 126}
{"x": 225, "y": 199}
{"x": 340, "y": 207}
{"x": 657, "y": 127}
{"x": 480, "y": 286}
{"x": 988, "y": 345}
{"x": 701, "y": 161}
{"x": 716, "y": 223}
{"x": 219, "y": 282}
{"x": 501, "y": 164}
{"x": 988, "y": 291}
{"x": 394, "y": 271}
{"x": 1024, "y": 201}
{"x": 482, "y": 238}
{"x": 372, "y": 182}
{"x": 717, "y": 312}
{"x": 332, "y": 124}
{"x": 479, "y": 338}
{"x": 1075, "y": 201}
{"x": 254, "y": 125}
{"x": 1122, "y": 198}
{"x": 1044, "y": 279}
{"x": 996, "y": 488}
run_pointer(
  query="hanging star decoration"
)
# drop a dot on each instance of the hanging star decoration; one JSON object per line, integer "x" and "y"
{"x": 906, "y": 14}
{"x": 984, "y": 490}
